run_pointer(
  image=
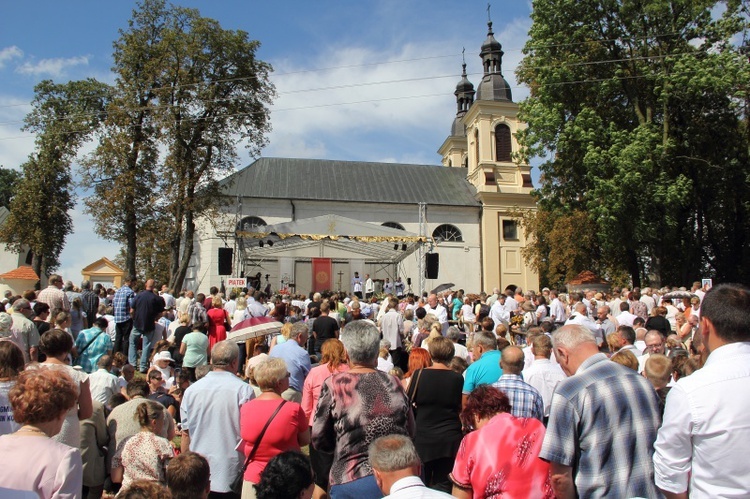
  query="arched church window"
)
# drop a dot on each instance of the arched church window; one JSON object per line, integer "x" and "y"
{"x": 249, "y": 224}
{"x": 503, "y": 145}
{"x": 394, "y": 225}
{"x": 447, "y": 232}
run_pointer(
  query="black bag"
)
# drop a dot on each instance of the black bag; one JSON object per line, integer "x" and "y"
{"x": 239, "y": 480}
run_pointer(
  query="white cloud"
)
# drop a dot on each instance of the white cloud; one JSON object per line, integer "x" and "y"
{"x": 15, "y": 145}
{"x": 408, "y": 96}
{"x": 9, "y": 53}
{"x": 289, "y": 145}
{"x": 53, "y": 67}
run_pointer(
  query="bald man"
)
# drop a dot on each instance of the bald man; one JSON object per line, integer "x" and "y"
{"x": 525, "y": 400}
{"x": 147, "y": 305}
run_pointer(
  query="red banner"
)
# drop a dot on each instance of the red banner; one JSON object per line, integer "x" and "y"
{"x": 322, "y": 268}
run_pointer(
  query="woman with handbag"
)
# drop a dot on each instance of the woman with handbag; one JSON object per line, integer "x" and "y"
{"x": 435, "y": 394}
{"x": 356, "y": 407}
{"x": 269, "y": 425}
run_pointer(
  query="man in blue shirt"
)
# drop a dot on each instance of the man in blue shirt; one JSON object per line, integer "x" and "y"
{"x": 210, "y": 413}
{"x": 297, "y": 360}
{"x": 485, "y": 369}
{"x": 122, "y": 303}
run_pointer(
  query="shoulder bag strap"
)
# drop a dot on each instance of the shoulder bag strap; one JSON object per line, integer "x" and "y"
{"x": 413, "y": 385}
{"x": 262, "y": 432}
{"x": 89, "y": 344}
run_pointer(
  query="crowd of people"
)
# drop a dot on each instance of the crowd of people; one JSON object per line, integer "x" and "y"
{"x": 142, "y": 392}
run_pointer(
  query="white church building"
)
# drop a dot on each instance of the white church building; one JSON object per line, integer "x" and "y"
{"x": 283, "y": 216}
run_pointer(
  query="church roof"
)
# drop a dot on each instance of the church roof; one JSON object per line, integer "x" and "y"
{"x": 333, "y": 180}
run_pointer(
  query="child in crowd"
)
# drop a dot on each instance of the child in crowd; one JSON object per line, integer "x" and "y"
{"x": 145, "y": 455}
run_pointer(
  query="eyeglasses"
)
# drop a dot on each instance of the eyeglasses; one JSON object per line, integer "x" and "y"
{"x": 159, "y": 378}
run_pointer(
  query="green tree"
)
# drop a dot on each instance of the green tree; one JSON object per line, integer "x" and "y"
{"x": 124, "y": 168}
{"x": 194, "y": 91}
{"x": 63, "y": 118}
{"x": 8, "y": 181}
{"x": 628, "y": 100}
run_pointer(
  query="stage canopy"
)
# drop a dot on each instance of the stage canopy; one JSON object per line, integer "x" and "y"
{"x": 377, "y": 242}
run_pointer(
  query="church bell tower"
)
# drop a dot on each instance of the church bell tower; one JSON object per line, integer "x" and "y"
{"x": 483, "y": 140}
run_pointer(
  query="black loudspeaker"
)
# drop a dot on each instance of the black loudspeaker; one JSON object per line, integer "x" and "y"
{"x": 225, "y": 261}
{"x": 432, "y": 261}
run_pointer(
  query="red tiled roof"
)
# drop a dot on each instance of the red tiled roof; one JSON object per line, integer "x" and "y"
{"x": 587, "y": 277}
{"x": 22, "y": 272}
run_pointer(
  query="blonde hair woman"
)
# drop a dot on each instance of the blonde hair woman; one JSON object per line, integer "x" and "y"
{"x": 240, "y": 313}
{"x": 288, "y": 427}
{"x": 286, "y": 331}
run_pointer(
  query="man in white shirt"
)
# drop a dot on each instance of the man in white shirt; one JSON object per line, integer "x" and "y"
{"x": 231, "y": 305}
{"x": 459, "y": 350}
{"x": 397, "y": 468}
{"x": 102, "y": 383}
{"x": 701, "y": 444}
{"x": 625, "y": 318}
{"x": 556, "y": 309}
{"x": 433, "y": 307}
{"x": 543, "y": 374}
{"x": 511, "y": 305}
{"x": 391, "y": 326}
{"x": 580, "y": 317}
{"x": 169, "y": 300}
{"x": 647, "y": 299}
{"x": 498, "y": 313}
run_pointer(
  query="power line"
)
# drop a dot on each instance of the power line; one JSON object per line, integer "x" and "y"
{"x": 399, "y": 61}
{"x": 381, "y": 82}
{"x": 385, "y": 99}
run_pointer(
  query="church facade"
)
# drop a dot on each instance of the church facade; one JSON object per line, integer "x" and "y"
{"x": 384, "y": 219}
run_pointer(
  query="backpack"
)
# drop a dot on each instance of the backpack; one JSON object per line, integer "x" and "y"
{"x": 484, "y": 311}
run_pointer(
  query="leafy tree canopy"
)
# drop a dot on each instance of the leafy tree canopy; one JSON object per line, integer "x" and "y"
{"x": 638, "y": 109}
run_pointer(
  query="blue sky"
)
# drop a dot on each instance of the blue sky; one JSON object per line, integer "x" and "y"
{"x": 368, "y": 80}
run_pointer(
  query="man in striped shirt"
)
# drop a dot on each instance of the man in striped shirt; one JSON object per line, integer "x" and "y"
{"x": 602, "y": 424}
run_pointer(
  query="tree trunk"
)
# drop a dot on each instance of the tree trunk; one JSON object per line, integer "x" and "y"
{"x": 37, "y": 264}
{"x": 633, "y": 268}
{"x": 187, "y": 251}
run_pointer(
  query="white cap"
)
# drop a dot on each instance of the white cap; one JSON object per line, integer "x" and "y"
{"x": 163, "y": 355}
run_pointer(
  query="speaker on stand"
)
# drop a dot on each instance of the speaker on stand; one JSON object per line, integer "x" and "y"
{"x": 432, "y": 264}
{"x": 225, "y": 261}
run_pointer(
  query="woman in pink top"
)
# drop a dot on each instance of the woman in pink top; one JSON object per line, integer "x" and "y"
{"x": 288, "y": 430}
{"x": 41, "y": 398}
{"x": 500, "y": 455}
{"x": 333, "y": 360}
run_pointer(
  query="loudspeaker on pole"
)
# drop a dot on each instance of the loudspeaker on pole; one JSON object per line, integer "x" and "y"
{"x": 225, "y": 261}
{"x": 432, "y": 264}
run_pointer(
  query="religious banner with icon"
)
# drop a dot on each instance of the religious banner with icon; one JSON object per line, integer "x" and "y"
{"x": 322, "y": 269}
